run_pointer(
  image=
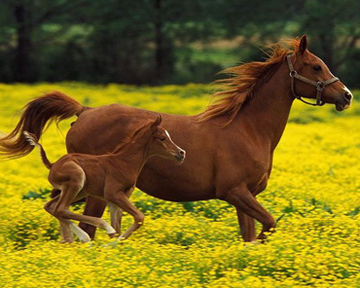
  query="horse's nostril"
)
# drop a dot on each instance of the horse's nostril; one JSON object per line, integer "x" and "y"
{"x": 348, "y": 96}
{"x": 182, "y": 152}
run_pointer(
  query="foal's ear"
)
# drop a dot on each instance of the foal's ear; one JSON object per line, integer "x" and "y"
{"x": 158, "y": 121}
{"x": 303, "y": 44}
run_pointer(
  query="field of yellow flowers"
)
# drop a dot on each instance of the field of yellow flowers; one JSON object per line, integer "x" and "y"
{"x": 314, "y": 190}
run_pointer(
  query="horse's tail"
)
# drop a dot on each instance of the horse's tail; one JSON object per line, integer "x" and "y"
{"x": 47, "y": 108}
{"x": 34, "y": 141}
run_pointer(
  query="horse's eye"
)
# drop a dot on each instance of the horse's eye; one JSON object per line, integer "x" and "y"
{"x": 317, "y": 68}
{"x": 162, "y": 139}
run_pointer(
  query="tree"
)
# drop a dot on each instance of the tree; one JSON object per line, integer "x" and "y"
{"x": 26, "y": 18}
{"x": 335, "y": 26}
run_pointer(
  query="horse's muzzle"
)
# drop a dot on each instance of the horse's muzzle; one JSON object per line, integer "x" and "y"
{"x": 344, "y": 102}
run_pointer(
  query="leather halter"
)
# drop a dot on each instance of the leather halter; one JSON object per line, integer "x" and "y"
{"x": 320, "y": 85}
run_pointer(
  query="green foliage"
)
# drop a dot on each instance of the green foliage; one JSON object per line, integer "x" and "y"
{"x": 158, "y": 41}
{"x": 41, "y": 194}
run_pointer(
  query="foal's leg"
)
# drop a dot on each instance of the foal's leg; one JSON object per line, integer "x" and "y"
{"x": 67, "y": 197}
{"x": 116, "y": 213}
{"x": 116, "y": 216}
{"x": 122, "y": 201}
{"x": 244, "y": 201}
{"x": 65, "y": 230}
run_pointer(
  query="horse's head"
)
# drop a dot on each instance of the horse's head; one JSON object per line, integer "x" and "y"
{"x": 160, "y": 143}
{"x": 311, "y": 78}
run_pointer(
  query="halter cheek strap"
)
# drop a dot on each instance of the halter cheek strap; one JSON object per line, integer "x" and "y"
{"x": 320, "y": 85}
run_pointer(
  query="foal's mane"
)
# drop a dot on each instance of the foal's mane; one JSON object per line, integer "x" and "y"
{"x": 137, "y": 134}
{"x": 244, "y": 80}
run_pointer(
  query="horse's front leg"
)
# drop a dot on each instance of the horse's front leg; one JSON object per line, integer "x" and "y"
{"x": 245, "y": 202}
{"x": 247, "y": 226}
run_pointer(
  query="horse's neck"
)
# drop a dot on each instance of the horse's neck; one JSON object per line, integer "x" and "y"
{"x": 268, "y": 110}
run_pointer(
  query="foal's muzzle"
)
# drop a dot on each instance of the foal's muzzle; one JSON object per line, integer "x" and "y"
{"x": 180, "y": 155}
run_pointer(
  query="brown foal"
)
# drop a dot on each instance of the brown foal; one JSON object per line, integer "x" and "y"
{"x": 111, "y": 177}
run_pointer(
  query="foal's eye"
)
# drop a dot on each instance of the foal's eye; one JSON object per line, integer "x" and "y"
{"x": 317, "y": 68}
{"x": 162, "y": 139}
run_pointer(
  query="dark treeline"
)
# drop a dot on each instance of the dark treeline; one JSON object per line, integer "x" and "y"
{"x": 166, "y": 41}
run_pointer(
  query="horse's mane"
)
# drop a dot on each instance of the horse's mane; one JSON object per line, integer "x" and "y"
{"x": 244, "y": 80}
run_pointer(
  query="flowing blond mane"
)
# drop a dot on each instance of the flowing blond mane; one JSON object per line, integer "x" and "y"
{"x": 243, "y": 81}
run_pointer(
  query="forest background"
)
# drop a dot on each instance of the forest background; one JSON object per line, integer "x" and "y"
{"x": 156, "y": 42}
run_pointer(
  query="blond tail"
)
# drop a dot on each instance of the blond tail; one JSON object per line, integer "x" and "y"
{"x": 32, "y": 140}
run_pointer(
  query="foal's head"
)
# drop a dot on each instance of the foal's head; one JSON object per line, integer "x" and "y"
{"x": 313, "y": 68}
{"x": 158, "y": 141}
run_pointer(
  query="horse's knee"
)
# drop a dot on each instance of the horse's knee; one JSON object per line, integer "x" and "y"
{"x": 59, "y": 213}
{"x": 139, "y": 218}
{"x": 48, "y": 207}
{"x": 269, "y": 223}
{"x": 55, "y": 192}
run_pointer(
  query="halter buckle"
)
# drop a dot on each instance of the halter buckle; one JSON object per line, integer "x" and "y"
{"x": 320, "y": 86}
{"x": 293, "y": 73}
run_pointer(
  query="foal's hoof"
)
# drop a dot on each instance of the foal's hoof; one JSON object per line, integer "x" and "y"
{"x": 84, "y": 238}
{"x": 121, "y": 238}
{"x": 64, "y": 241}
{"x": 113, "y": 235}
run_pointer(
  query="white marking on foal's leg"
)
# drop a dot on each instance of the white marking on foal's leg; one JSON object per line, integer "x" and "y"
{"x": 83, "y": 236}
{"x": 115, "y": 216}
{"x": 108, "y": 228}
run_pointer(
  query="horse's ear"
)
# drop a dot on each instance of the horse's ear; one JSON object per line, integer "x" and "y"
{"x": 303, "y": 44}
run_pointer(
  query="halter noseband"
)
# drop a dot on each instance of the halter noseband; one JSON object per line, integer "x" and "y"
{"x": 320, "y": 85}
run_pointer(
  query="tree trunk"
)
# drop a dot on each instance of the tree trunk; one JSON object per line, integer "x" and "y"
{"x": 159, "y": 43}
{"x": 22, "y": 67}
{"x": 328, "y": 51}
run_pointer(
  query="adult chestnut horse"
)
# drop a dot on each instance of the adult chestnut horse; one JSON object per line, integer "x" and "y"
{"x": 229, "y": 146}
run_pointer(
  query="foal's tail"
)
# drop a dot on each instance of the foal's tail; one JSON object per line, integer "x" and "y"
{"x": 33, "y": 141}
{"x": 52, "y": 106}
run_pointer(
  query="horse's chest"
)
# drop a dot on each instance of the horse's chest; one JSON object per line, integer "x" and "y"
{"x": 258, "y": 185}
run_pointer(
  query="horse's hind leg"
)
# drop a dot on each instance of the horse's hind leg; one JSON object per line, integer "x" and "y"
{"x": 68, "y": 196}
{"x": 245, "y": 202}
{"x": 93, "y": 207}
